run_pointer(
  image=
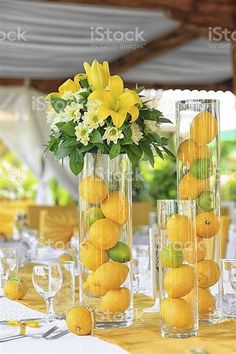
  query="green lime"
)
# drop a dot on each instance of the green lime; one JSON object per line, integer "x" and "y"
{"x": 206, "y": 201}
{"x": 92, "y": 214}
{"x": 202, "y": 168}
{"x": 120, "y": 253}
{"x": 171, "y": 256}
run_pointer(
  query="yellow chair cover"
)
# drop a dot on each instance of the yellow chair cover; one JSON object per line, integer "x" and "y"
{"x": 57, "y": 227}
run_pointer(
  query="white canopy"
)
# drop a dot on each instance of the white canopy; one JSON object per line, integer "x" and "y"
{"x": 57, "y": 38}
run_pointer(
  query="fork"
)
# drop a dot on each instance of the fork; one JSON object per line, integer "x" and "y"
{"x": 58, "y": 335}
{"x": 35, "y": 336}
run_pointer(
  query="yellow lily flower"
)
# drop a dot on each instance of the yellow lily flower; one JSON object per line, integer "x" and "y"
{"x": 79, "y": 77}
{"x": 116, "y": 102}
{"x": 97, "y": 74}
{"x": 69, "y": 85}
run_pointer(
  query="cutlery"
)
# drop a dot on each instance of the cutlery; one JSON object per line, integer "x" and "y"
{"x": 35, "y": 336}
{"x": 58, "y": 335}
{"x": 8, "y": 322}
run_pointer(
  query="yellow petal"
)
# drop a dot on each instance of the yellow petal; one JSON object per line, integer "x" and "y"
{"x": 87, "y": 68}
{"x": 99, "y": 77}
{"x": 102, "y": 96}
{"x": 103, "y": 112}
{"x": 68, "y": 85}
{"x": 79, "y": 77}
{"x": 116, "y": 86}
{"x": 51, "y": 95}
{"x": 106, "y": 68}
{"x": 134, "y": 112}
{"x": 128, "y": 99}
{"x": 118, "y": 118}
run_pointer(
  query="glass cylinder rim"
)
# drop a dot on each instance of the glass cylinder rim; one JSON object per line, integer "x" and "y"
{"x": 47, "y": 264}
{"x": 198, "y": 100}
{"x": 183, "y": 201}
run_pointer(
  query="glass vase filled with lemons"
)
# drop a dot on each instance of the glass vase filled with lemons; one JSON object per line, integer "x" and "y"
{"x": 177, "y": 253}
{"x": 106, "y": 239}
{"x": 198, "y": 173}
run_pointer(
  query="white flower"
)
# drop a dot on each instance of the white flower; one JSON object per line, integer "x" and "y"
{"x": 77, "y": 95}
{"x": 82, "y": 133}
{"x": 137, "y": 134}
{"x": 68, "y": 95}
{"x": 72, "y": 111}
{"x": 112, "y": 134}
{"x": 152, "y": 127}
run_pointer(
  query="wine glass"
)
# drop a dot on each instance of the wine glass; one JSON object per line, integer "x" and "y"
{"x": 232, "y": 275}
{"x": 47, "y": 281}
{"x": 8, "y": 265}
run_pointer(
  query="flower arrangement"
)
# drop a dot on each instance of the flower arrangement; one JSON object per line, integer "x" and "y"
{"x": 94, "y": 112}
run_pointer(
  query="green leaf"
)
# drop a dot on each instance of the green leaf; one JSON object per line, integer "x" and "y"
{"x": 62, "y": 152}
{"x": 164, "y": 120}
{"x": 69, "y": 143}
{"x": 84, "y": 83}
{"x": 76, "y": 162}
{"x": 85, "y": 94}
{"x": 68, "y": 128}
{"x": 85, "y": 148}
{"x": 114, "y": 151}
{"x": 96, "y": 137}
{"x": 164, "y": 141}
{"x": 58, "y": 104}
{"x": 159, "y": 152}
{"x": 137, "y": 150}
{"x": 150, "y": 114}
{"x": 132, "y": 156}
{"x": 169, "y": 153}
{"x": 156, "y": 137}
{"x": 148, "y": 151}
{"x": 139, "y": 89}
{"x": 127, "y": 132}
{"x": 128, "y": 142}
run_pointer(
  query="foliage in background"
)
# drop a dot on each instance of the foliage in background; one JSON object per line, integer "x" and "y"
{"x": 59, "y": 194}
{"x": 228, "y": 170}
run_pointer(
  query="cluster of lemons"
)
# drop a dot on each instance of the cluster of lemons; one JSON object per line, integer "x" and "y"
{"x": 179, "y": 281}
{"x": 197, "y": 164}
{"x": 101, "y": 252}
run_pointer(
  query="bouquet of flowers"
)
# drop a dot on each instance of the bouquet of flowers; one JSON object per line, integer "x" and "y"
{"x": 94, "y": 112}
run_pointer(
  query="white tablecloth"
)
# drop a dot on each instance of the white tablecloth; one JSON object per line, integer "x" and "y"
{"x": 69, "y": 344}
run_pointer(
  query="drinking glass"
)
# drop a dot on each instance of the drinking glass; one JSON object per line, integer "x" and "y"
{"x": 65, "y": 298}
{"x": 8, "y": 265}
{"x": 177, "y": 253}
{"x": 47, "y": 281}
{"x": 228, "y": 283}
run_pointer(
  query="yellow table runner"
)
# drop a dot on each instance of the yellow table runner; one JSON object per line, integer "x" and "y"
{"x": 144, "y": 336}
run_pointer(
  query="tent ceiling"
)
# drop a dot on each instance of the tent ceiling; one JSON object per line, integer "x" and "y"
{"x": 58, "y": 40}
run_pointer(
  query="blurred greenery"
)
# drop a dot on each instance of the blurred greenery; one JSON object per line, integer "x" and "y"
{"x": 16, "y": 181}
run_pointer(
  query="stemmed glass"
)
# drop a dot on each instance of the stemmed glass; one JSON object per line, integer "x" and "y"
{"x": 232, "y": 275}
{"x": 47, "y": 281}
{"x": 8, "y": 265}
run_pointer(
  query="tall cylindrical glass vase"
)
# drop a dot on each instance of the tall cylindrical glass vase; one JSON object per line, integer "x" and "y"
{"x": 105, "y": 199}
{"x": 198, "y": 171}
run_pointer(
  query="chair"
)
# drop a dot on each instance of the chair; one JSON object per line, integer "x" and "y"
{"x": 140, "y": 213}
{"x": 57, "y": 226}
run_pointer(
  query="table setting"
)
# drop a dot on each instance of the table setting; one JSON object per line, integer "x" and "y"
{"x": 85, "y": 294}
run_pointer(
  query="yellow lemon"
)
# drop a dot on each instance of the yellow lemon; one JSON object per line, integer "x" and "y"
{"x": 15, "y": 289}
{"x": 203, "y": 128}
{"x": 94, "y": 289}
{"x": 179, "y": 281}
{"x": 80, "y": 320}
{"x": 179, "y": 228}
{"x": 109, "y": 276}
{"x": 92, "y": 257}
{"x": 206, "y": 301}
{"x": 191, "y": 255}
{"x": 116, "y": 301}
{"x": 104, "y": 234}
{"x": 93, "y": 190}
{"x": 65, "y": 257}
{"x": 177, "y": 313}
{"x": 116, "y": 207}
{"x": 207, "y": 224}
{"x": 190, "y": 187}
{"x": 189, "y": 151}
{"x": 208, "y": 273}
